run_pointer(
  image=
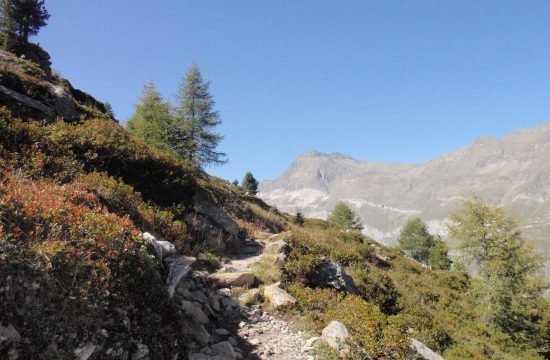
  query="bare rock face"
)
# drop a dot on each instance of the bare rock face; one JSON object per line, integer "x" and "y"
{"x": 233, "y": 279}
{"x": 513, "y": 172}
{"x": 49, "y": 96}
{"x": 278, "y": 297}
{"x": 64, "y": 103}
{"x": 335, "y": 334}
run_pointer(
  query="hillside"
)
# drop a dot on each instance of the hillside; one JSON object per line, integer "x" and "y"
{"x": 513, "y": 171}
{"x": 111, "y": 249}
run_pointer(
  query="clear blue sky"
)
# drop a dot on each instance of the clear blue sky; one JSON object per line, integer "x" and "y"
{"x": 396, "y": 81}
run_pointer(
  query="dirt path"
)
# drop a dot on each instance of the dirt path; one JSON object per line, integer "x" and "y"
{"x": 263, "y": 335}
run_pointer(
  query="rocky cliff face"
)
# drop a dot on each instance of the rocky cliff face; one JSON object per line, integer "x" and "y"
{"x": 513, "y": 171}
{"x": 30, "y": 90}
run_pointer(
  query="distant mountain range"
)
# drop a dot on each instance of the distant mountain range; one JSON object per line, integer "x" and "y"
{"x": 513, "y": 171}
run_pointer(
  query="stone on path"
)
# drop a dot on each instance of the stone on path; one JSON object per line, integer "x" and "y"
{"x": 277, "y": 296}
{"x": 243, "y": 279}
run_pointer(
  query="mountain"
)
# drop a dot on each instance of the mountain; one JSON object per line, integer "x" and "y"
{"x": 513, "y": 171}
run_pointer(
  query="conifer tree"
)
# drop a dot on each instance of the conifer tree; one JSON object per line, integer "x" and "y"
{"x": 342, "y": 216}
{"x": 20, "y": 19}
{"x": 152, "y": 121}
{"x": 299, "y": 219}
{"x": 493, "y": 244}
{"x": 418, "y": 243}
{"x": 193, "y": 135}
{"x": 250, "y": 184}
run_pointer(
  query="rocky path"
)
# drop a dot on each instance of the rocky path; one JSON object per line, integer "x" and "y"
{"x": 270, "y": 337}
{"x": 266, "y": 335}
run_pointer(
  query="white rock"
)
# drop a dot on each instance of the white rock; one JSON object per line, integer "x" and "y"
{"x": 85, "y": 351}
{"x": 335, "y": 334}
{"x": 425, "y": 351}
{"x": 277, "y": 296}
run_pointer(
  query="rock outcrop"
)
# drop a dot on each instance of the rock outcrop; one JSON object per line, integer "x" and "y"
{"x": 29, "y": 88}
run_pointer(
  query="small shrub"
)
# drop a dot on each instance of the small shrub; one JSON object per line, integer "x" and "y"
{"x": 323, "y": 351}
{"x": 207, "y": 261}
{"x": 265, "y": 270}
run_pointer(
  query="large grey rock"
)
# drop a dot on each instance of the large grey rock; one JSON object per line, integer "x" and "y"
{"x": 241, "y": 279}
{"x": 28, "y": 101}
{"x": 330, "y": 274}
{"x": 513, "y": 171}
{"x": 85, "y": 351}
{"x": 194, "y": 310}
{"x": 177, "y": 267}
{"x": 335, "y": 334}
{"x": 162, "y": 248}
{"x": 277, "y": 296}
{"x": 425, "y": 351}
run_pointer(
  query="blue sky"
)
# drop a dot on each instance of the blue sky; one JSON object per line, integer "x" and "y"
{"x": 393, "y": 81}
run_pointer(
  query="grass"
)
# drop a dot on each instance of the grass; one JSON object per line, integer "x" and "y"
{"x": 323, "y": 351}
{"x": 265, "y": 270}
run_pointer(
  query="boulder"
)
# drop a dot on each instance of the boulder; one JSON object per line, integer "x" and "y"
{"x": 244, "y": 279}
{"x": 277, "y": 296}
{"x": 194, "y": 310}
{"x": 425, "y": 351}
{"x": 177, "y": 267}
{"x": 85, "y": 351}
{"x": 275, "y": 248}
{"x": 330, "y": 274}
{"x": 162, "y": 248}
{"x": 335, "y": 334}
{"x": 197, "y": 332}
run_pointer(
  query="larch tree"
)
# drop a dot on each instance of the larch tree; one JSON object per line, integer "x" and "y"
{"x": 342, "y": 216}
{"x": 491, "y": 242}
{"x": 152, "y": 121}
{"x": 195, "y": 119}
